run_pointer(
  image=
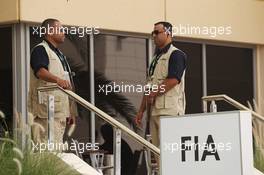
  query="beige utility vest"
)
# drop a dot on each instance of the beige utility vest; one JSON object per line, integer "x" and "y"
{"x": 62, "y": 108}
{"x": 172, "y": 102}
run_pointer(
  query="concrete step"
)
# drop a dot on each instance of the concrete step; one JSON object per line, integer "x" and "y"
{"x": 257, "y": 172}
{"x": 78, "y": 164}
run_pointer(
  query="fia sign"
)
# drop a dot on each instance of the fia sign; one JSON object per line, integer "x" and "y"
{"x": 208, "y": 143}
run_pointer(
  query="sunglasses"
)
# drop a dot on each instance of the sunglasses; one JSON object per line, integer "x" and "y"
{"x": 156, "y": 32}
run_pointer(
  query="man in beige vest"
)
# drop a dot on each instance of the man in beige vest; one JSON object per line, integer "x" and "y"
{"x": 166, "y": 77}
{"x": 49, "y": 67}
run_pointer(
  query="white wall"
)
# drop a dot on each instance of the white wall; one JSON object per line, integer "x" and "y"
{"x": 123, "y": 15}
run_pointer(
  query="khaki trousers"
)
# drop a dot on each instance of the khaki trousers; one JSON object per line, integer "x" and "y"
{"x": 154, "y": 126}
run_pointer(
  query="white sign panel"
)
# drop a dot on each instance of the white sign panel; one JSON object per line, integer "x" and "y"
{"x": 207, "y": 144}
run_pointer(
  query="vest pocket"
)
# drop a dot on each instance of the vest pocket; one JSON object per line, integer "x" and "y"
{"x": 167, "y": 100}
{"x": 57, "y": 104}
{"x": 170, "y": 98}
{"x": 170, "y": 102}
{"x": 159, "y": 102}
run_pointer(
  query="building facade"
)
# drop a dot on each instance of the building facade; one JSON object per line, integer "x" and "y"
{"x": 224, "y": 43}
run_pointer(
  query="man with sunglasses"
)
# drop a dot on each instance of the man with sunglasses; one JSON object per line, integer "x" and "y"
{"x": 166, "y": 71}
{"x": 50, "y": 67}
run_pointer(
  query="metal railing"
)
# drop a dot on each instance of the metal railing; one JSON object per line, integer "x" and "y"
{"x": 213, "y": 107}
{"x": 118, "y": 127}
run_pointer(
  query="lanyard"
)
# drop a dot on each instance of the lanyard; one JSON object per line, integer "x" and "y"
{"x": 63, "y": 60}
{"x": 153, "y": 64}
{"x": 66, "y": 67}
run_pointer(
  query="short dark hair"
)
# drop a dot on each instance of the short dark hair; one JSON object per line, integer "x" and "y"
{"x": 48, "y": 23}
{"x": 166, "y": 25}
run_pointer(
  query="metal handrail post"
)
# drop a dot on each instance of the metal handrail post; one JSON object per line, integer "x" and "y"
{"x": 117, "y": 151}
{"x": 51, "y": 110}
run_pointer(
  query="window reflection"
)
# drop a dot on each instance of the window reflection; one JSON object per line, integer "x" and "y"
{"x": 193, "y": 76}
{"x": 122, "y": 60}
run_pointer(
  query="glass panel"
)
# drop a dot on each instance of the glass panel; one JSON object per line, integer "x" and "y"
{"x": 230, "y": 72}
{"x": 6, "y": 90}
{"x": 122, "y": 60}
{"x": 76, "y": 49}
{"x": 193, "y": 76}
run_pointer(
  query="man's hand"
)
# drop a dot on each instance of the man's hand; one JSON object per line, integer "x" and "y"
{"x": 64, "y": 84}
{"x": 71, "y": 120}
{"x": 45, "y": 75}
{"x": 138, "y": 118}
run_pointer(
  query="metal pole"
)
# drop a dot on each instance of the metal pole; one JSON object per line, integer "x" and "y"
{"x": 150, "y": 50}
{"x": 27, "y": 77}
{"x": 204, "y": 106}
{"x": 204, "y": 76}
{"x": 213, "y": 107}
{"x": 20, "y": 54}
{"x": 117, "y": 151}
{"x": 50, "y": 118}
{"x": 92, "y": 98}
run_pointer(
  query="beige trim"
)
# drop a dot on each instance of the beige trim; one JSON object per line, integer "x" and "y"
{"x": 245, "y": 17}
{"x": 133, "y": 16}
{"x": 9, "y": 11}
